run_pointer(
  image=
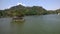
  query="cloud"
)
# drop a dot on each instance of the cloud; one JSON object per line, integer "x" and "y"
{"x": 9, "y": 6}
{"x": 21, "y": 4}
{"x": 15, "y": 5}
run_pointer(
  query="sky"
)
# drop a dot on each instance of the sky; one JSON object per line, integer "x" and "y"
{"x": 47, "y": 4}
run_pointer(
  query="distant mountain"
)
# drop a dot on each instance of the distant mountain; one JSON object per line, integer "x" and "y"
{"x": 26, "y": 10}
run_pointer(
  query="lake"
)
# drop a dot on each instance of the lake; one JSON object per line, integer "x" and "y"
{"x": 43, "y": 24}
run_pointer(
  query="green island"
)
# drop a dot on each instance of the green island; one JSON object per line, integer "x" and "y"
{"x": 26, "y": 11}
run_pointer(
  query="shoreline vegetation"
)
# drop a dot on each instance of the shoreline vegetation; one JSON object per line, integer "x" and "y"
{"x": 20, "y": 11}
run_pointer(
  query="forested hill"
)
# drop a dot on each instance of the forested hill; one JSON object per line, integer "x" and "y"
{"x": 23, "y": 10}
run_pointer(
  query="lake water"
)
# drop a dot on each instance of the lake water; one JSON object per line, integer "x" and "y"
{"x": 44, "y": 24}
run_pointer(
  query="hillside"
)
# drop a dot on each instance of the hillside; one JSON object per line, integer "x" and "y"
{"x": 22, "y": 10}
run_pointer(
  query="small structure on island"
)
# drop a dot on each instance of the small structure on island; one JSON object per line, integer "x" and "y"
{"x": 18, "y": 18}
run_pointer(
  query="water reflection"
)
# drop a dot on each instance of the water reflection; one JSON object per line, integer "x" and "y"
{"x": 9, "y": 27}
{"x": 47, "y": 24}
{"x": 16, "y": 27}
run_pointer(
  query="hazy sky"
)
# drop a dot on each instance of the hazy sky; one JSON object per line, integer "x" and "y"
{"x": 47, "y": 4}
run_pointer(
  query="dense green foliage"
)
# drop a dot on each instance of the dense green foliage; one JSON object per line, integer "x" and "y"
{"x": 22, "y": 10}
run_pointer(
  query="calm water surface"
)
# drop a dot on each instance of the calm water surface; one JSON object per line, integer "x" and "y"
{"x": 44, "y": 24}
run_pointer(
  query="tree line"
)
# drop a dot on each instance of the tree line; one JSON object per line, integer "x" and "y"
{"x": 21, "y": 10}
